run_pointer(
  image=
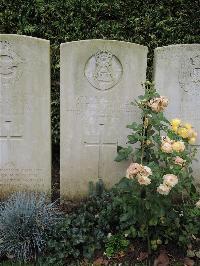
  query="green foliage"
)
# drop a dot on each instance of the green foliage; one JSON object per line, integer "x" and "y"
{"x": 123, "y": 153}
{"x": 109, "y": 222}
{"x": 83, "y": 232}
{"x": 25, "y": 219}
{"x": 151, "y": 23}
{"x": 115, "y": 244}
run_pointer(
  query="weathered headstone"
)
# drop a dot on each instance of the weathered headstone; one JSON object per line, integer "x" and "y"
{"x": 177, "y": 76}
{"x": 25, "y": 155}
{"x": 99, "y": 79}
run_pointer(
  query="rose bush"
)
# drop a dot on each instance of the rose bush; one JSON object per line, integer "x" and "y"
{"x": 155, "y": 203}
{"x": 160, "y": 172}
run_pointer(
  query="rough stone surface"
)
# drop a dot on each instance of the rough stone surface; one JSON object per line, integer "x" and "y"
{"x": 25, "y": 155}
{"x": 177, "y": 76}
{"x": 99, "y": 79}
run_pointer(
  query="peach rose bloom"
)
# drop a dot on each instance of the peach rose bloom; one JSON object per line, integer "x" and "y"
{"x": 154, "y": 106}
{"x": 166, "y": 147}
{"x": 164, "y": 101}
{"x": 133, "y": 170}
{"x": 198, "y": 204}
{"x": 143, "y": 180}
{"x": 166, "y": 139}
{"x": 158, "y": 104}
{"x": 179, "y": 161}
{"x": 163, "y": 189}
{"x": 146, "y": 171}
{"x": 170, "y": 180}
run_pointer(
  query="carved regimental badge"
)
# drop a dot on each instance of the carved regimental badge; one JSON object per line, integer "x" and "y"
{"x": 103, "y": 70}
{"x": 9, "y": 65}
{"x": 189, "y": 75}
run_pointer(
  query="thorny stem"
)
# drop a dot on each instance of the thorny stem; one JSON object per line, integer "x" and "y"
{"x": 143, "y": 140}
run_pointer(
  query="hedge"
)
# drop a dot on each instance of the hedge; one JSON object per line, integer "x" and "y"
{"x": 148, "y": 22}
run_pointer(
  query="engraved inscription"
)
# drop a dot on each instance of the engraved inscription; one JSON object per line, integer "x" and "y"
{"x": 103, "y": 70}
{"x": 189, "y": 75}
{"x": 100, "y": 106}
{"x": 20, "y": 177}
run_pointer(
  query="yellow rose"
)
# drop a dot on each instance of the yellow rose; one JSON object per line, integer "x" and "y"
{"x": 194, "y": 134}
{"x": 183, "y": 132}
{"x": 187, "y": 125}
{"x": 191, "y": 133}
{"x": 178, "y": 146}
{"x": 192, "y": 140}
{"x": 175, "y": 129}
{"x": 175, "y": 122}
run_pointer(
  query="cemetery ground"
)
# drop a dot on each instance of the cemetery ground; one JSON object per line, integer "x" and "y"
{"x": 85, "y": 233}
{"x": 122, "y": 192}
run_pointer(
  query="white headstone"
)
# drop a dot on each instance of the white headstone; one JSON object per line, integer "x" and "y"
{"x": 25, "y": 155}
{"x": 177, "y": 76}
{"x": 99, "y": 79}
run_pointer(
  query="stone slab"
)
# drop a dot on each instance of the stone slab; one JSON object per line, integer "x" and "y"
{"x": 25, "y": 155}
{"x": 177, "y": 76}
{"x": 99, "y": 79}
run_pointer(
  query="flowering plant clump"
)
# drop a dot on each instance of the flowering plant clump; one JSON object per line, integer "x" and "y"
{"x": 160, "y": 171}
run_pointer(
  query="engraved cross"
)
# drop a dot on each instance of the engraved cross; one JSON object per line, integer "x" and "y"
{"x": 101, "y": 144}
{"x": 8, "y": 134}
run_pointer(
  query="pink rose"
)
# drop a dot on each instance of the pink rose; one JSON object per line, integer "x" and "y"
{"x": 170, "y": 180}
{"x": 179, "y": 161}
{"x": 163, "y": 189}
{"x": 133, "y": 169}
{"x": 143, "y": 180}
{"x": 158, "y": 104}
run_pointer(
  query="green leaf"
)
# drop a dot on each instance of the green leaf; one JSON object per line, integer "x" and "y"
{"x": 133, "y": 126}
{"x": 132, "y": 139}
{"x": 123, "y": 153}
{"x": 153, "y": 221}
